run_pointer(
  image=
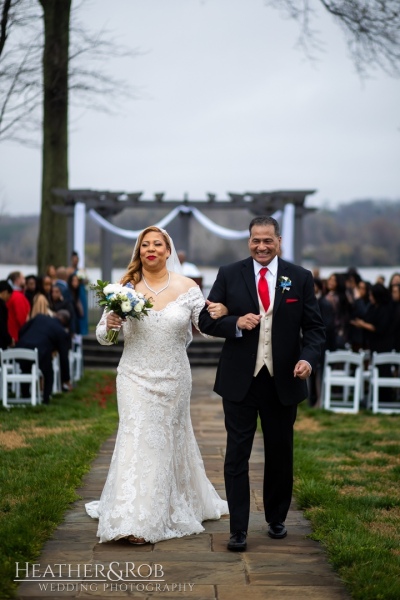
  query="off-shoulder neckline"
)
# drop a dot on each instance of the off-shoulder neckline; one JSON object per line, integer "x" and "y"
{"x": 194, "y": 287}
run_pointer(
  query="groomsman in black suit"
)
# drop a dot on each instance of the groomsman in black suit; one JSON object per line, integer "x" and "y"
{"x": 274, "y": 335}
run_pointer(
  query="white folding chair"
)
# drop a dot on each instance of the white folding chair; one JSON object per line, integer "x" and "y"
{"x": 366, "y": 376}
{"x": 10, "y": 366}
{"x": 76, "y": 363}
{"x": 57, "y": 389}
{"x": 344, "y": 369}
{"x": 14, "y": 377}
{"x": 392, "y": 360}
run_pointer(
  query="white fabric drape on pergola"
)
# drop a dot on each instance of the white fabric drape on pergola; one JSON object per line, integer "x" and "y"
{"x": 286, "y": 217}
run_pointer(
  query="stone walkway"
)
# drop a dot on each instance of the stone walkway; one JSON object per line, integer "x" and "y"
{"x": 196, "y": 567}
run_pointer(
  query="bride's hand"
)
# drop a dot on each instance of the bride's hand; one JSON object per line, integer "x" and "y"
{"x": 216, "y": 309}
{"x": 113, "y": 321}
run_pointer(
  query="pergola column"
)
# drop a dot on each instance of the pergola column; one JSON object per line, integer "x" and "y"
{"x": 109, "y": 203}
{"x": 106, "y": 261}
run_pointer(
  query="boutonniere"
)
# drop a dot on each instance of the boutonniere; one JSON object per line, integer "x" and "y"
{"x": 284, "y": 283}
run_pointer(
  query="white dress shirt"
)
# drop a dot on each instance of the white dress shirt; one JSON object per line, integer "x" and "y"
{"x": 271, "y": 280}
{"x": 270, "y": 276}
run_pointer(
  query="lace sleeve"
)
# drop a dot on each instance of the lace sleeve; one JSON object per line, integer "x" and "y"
{"x": 198, "y": 303}
{"x": 101, "y": 331}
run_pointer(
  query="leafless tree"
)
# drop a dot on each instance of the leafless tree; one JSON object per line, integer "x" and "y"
{"x": 48, "y": 59}
{"x": 20, "y": 68}
{"x": 90, "y": 85}
{"x": 371, "y": 29}
{"x": 39, "y": 72}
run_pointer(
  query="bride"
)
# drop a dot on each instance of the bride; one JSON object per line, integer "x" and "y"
{"x": 156, "y": 488}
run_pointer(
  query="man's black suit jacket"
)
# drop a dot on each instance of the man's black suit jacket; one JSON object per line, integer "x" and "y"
{"x": 297, "y": 330}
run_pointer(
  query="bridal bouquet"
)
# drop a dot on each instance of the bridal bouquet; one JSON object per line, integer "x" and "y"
{"x": 121, "y": 299}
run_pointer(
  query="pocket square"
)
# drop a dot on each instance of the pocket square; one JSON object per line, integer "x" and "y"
{"x": 291, "y": 300}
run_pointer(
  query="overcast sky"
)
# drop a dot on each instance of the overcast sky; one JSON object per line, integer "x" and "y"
{"x": 226, "y": 102}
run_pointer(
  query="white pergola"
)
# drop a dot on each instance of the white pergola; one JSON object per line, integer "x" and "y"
{"x": 286, "y": 206}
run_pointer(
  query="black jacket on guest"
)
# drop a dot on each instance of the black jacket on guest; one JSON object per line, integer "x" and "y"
{"x": 47, "y": 335}
{"x": 5, "y": 337}
{"x": 328, "y": 318}
{"x": 383, "y": 318}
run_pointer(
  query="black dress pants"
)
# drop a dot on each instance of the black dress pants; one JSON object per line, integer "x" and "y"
{"x": 277, "y": 423}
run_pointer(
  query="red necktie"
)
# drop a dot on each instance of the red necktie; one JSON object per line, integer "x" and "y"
{"x": 263, "y": 290}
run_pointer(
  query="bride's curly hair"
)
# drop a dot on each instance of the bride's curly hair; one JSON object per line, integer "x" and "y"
{"x": 134, "y": 269}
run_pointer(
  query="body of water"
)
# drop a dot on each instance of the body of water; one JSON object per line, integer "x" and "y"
{"x": 209, "y": 273}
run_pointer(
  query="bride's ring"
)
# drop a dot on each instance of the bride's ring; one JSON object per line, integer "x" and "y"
{"x": 211, "y": 314}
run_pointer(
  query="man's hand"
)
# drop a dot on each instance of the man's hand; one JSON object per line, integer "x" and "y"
{"x": 249, "y": 321}
{"x": 302, "y": 370}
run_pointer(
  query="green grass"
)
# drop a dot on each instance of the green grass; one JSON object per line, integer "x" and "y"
{"x": 347, "y": 472}
{"x": 44, "y": 453}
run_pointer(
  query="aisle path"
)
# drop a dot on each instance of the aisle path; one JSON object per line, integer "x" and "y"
{"x": 196, "y": 567}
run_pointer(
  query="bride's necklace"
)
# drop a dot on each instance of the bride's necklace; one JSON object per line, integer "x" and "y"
{"x": 154, "y": 291}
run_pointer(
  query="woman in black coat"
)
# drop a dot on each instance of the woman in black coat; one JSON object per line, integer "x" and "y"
{"x": 5, "y": 293}
{"x": 395, "y": 291}
{"x": 379, "y": 326}
{"x": 359, "y": 309}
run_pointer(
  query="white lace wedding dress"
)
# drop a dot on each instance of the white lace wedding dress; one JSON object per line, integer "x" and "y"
{"x": 156, "y": 487}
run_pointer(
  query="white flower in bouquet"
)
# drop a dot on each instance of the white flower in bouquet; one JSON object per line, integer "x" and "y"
{"x": 123, "y": 300}
{"x": 112, "y": 288}
{"x": 139, "y": 306}
{"x": 126, "y": 306}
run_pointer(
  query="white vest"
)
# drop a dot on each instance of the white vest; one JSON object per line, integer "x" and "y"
{"x": 264, "y": 349}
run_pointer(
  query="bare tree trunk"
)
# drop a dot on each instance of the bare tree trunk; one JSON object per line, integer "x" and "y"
{"x": 52, "y": 243}
{"x": 3, "y": 23}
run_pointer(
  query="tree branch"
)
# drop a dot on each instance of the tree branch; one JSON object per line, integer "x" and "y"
{"x": 21, "y": 71}
{"x": 371, "y": 29}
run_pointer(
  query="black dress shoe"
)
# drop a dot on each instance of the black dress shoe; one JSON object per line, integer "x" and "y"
{"x": 277, "y": 531}
{"x": 237, "y": 541}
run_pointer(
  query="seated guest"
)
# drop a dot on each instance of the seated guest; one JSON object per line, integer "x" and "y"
{"x": 394, "y": 280}
{"x": 395, "y": 291}
{"x": 336, "y": 294}
{"x": 5, "y": 293}
{"x": 61, "y": 282}
{"x": 74, "y": 265}
{"x": 352, "y": 279}
{"x": 48, "y": 335}
{"x": 30, "y": 287}
{"x": 378, "y": 320}
{"x": 50, "y": 270}
{"x": 379, "y": 326}
{"x": 47, "y": 284}
{"x": 41, "y": 304}
{"x": 82, "y": 321}
{"x": 58, "y": 302}
{"x": 328, "y": 317}
{"x": 74, "y": 288}
{"x": 359, "y": 309}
